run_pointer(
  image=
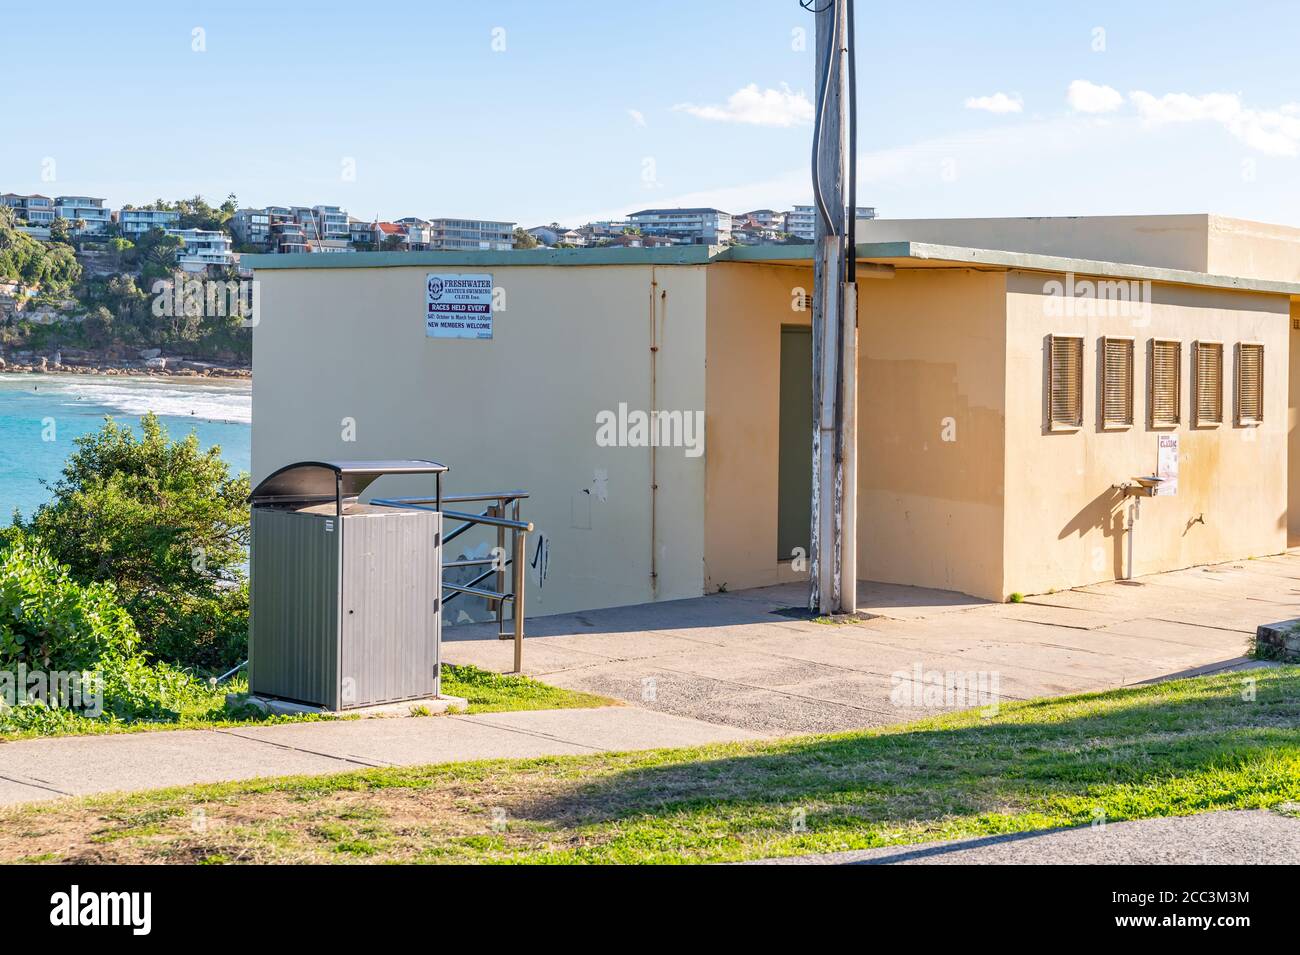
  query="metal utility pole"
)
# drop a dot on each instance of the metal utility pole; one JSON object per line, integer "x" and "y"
{"x": 833, "y": 550}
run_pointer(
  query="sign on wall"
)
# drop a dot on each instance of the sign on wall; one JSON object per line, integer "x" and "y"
{"x": 1167, "y": 465}
{"x": 458, "y": 305}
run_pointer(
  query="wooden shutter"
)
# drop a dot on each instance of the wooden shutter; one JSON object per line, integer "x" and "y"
{"x": 1165, "y": 385}
{"x": 1207, "y": 400}
{"x": 1250, "y": 383}
{"x": 1065, "y": 387}
{"x": 1116, "y": 382}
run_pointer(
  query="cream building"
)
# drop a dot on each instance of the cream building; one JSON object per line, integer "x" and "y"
{"x": 1013, "y": 376}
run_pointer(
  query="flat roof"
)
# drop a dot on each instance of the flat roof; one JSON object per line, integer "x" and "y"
{"x": 897, "y": 255}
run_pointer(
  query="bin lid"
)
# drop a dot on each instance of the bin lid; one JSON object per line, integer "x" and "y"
{"x": 319, "y": 480}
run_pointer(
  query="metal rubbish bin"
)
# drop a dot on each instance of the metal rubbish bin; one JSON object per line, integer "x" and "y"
{"x": 346, "y": 602}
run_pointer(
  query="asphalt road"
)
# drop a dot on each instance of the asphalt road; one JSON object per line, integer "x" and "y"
{"x": 1249, "y": 837}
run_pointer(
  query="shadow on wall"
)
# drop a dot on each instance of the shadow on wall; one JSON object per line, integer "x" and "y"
{"x": 1105, "y": 512}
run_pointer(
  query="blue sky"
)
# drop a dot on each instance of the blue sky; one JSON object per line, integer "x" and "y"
{"x": 572, "y": 110}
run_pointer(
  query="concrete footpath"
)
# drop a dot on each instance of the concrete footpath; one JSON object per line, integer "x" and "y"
{"x": 40, "y": 769}
{"x": 1251, "y": 837}
{"x": 746, "y": 659}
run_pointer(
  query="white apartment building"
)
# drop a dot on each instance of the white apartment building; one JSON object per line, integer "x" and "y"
{"x": 35, "y": 210}
{"x": 472, "y": 235}
{"x": 88, "y": 209}
{"x": 331, "y": 223}
{"x": 698, "y": 226}
{"x": 136, "y": 222}
{"x": 801, "y": 221}
{"x": 202, "y": 248}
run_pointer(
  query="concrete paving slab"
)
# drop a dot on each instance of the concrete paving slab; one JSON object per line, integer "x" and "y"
{"x": 627, "y": 645}
{"x": 406, "y": 742}
{"x": 780, "y": 713}
{"x": 81, "y": 765}
{"x": 1159, "y": 632}
{"x": 744, "y": 665}
{"x": 42, "y": 769}
{"x": 1134, "y": 650}
{"x": 619, "y": 728}
{"x": 12, "y": 791}
{"x": 1058, "y": 616}
{"x": 1244, "y": 837}
{"x": 1002, "y": 645}
{"x": 650, "y": 687}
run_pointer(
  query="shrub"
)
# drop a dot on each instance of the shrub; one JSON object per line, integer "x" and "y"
{"x": 50, "y": 622}
{"x": 167, "y": 524}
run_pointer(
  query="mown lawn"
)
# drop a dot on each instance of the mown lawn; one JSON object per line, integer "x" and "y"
{"x": 1209, "y": 743}
{"x": 483, "y": 692}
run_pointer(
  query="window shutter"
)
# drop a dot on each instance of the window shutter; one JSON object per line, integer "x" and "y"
{"x": 1166, "y": 384}
{"x": 1065, "y": 399}
{"x": 1208, "y": 399}
{"x": 1116, "y": 382}
{"x": 1250, "y": 384}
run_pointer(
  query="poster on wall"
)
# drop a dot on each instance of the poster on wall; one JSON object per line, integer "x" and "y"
{"x": 458, "y": 305}
{"x": 1167, "y": 465}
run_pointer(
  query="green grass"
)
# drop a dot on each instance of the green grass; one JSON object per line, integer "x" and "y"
{"x": 203, "y": 711}
{"x": 484, "y": 692}
{"x": 488, "y": 692}
{"x": 1222, "y": 742}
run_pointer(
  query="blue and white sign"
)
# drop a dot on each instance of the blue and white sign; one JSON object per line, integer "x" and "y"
{"x": 458, "y": 305}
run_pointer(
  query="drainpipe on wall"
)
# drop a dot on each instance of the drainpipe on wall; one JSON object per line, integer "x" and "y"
{"x": 1132, "y": 524}
{"x": 655, "y": 331}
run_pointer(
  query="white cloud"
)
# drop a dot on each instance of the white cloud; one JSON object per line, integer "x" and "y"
{"x": 997, "y": 103}
{"x": 1085, "y": 97}
{"x": 1273, "y": 132}
{"x": 757, "y": 107}
{"x": 638, "y": 118}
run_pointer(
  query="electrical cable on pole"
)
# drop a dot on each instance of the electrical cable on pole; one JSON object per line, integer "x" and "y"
{"x": 833, "y": 538}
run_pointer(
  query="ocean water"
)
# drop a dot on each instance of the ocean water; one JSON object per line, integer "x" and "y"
{"x": 219, "y": 411}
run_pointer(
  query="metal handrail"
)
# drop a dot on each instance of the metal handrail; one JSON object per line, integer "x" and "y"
{"x": 506, "y": 496}
{"x": 490, "y": 521}
{"x": 494, "y": 516}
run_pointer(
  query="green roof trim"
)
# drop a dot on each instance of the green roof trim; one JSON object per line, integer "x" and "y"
{"x": 665, "y": 255}
{"x": 774, "y": 254}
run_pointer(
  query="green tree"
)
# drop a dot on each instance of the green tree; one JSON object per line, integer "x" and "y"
{"x": 120, "y": 248}
{"x": 157, "y": 255}
{"x": 98, "y": 327}
{"x": 61, "y": 230}
{"x": 50, "y": 267}
{"x": 166, "y": 523}
{"x": 524, "y": 239}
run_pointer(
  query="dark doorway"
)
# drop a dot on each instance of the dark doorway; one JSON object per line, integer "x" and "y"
{"x": 794, "y": 447}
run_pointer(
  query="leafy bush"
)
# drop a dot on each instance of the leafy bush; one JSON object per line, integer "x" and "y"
{"x": 50, "y": 622}
{"x": 164, "y": 522}
{"x": 34, "y": 263}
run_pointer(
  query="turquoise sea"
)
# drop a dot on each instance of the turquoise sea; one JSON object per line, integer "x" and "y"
{"x": 219, "y": 411}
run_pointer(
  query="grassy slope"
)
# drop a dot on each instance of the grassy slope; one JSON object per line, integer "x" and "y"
{"x": 483, "y": 691}
{"x": 1171, "y": 749}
